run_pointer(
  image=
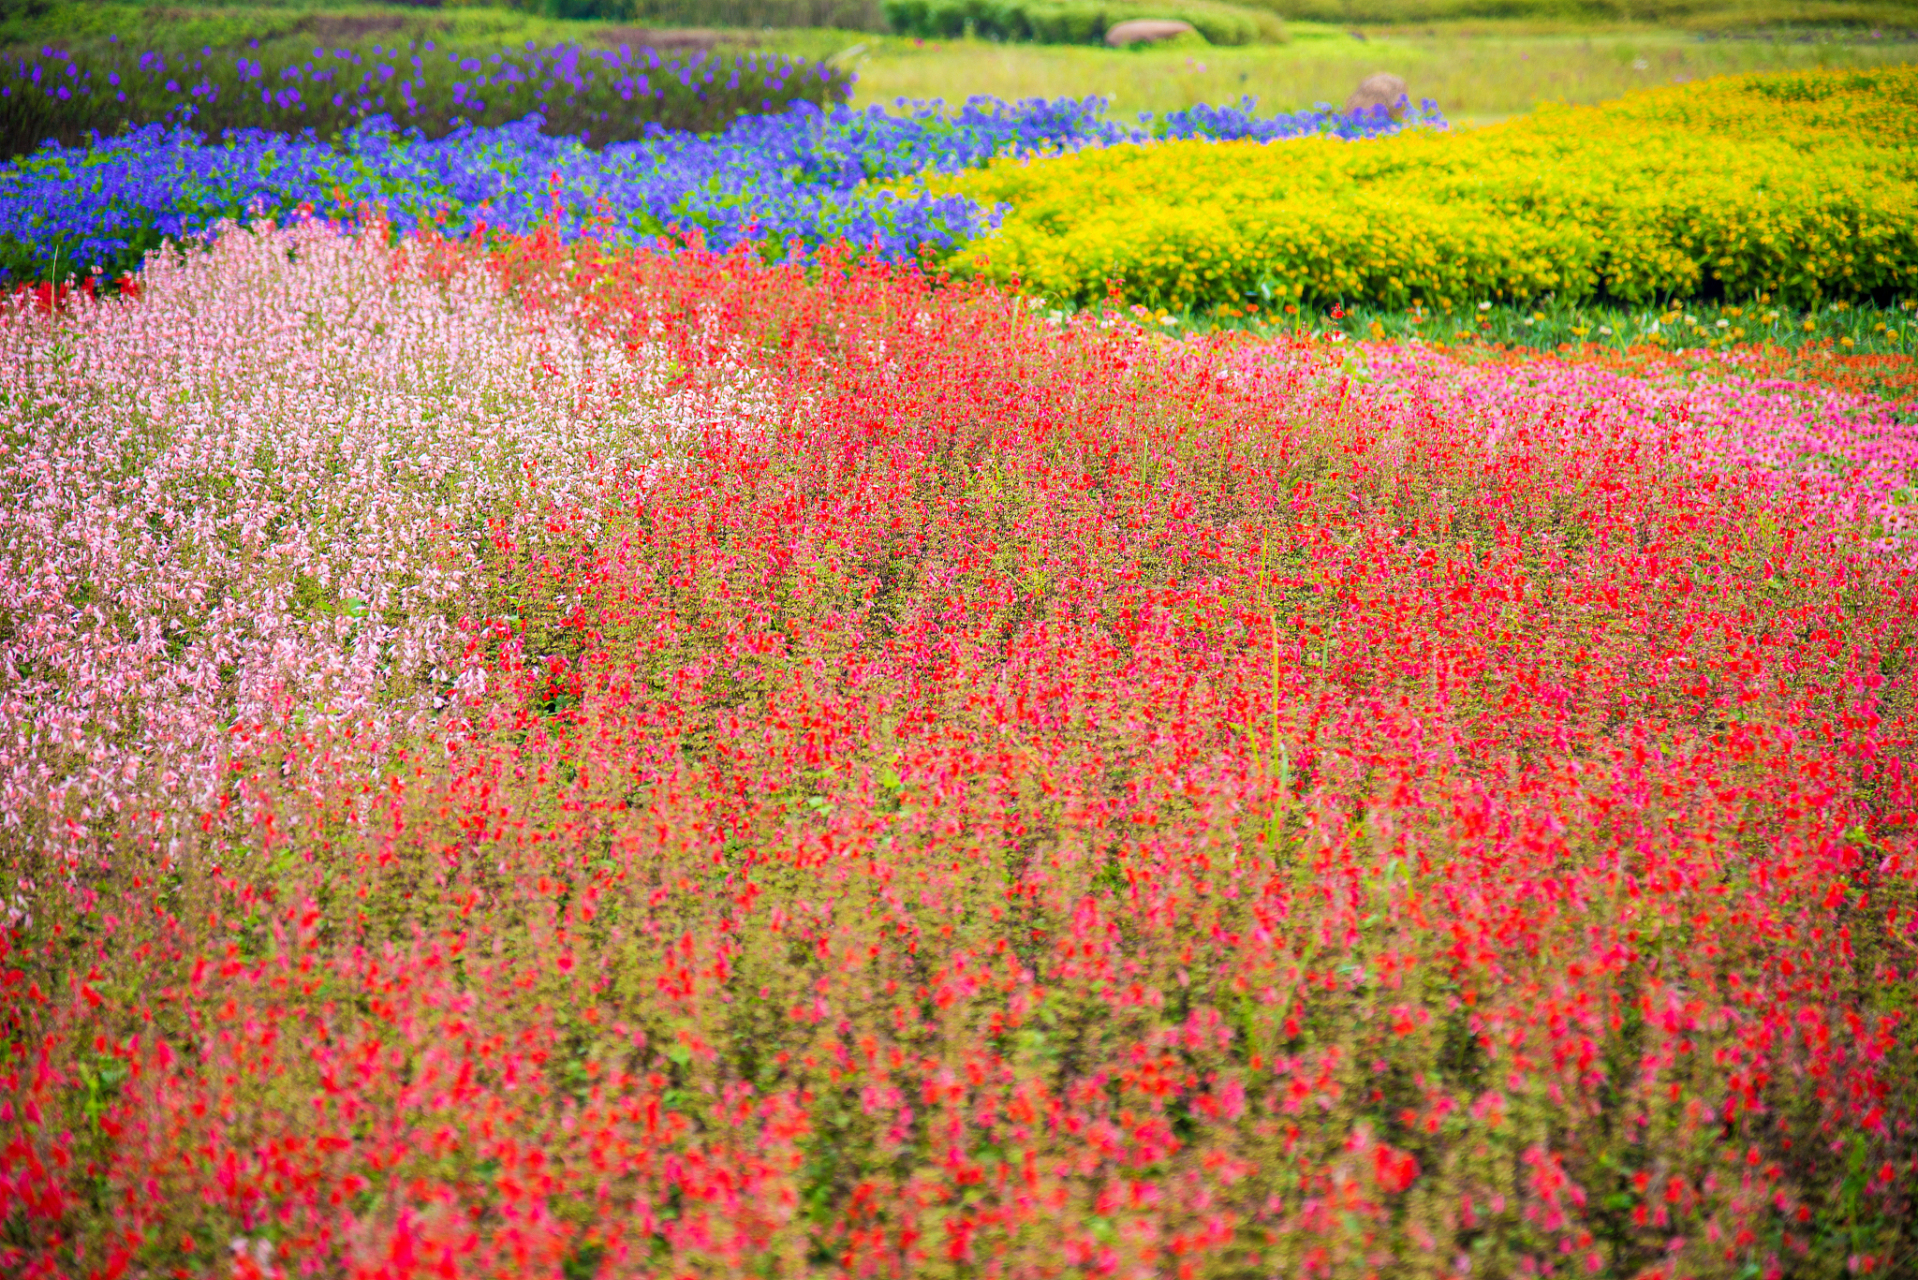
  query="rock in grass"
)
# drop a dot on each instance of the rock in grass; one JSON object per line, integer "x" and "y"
{"x": 1145, "y": 31}
{"x": 1381, "y": 90}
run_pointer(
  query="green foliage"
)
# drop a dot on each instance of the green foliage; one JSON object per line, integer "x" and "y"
{"x": 208, "y": 22}
{"x": 65, "y": 23}
{"x": 1705, "y": 14}
{"x": 1076, "y": 21}
{"x": 845, "y": 15}
{"x": 1701, "y": 328}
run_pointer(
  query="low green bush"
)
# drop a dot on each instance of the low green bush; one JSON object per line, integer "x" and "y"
{"x": 209, "y": 23}
{"x": 1076, "y": 21}
{"x": 844, "y": 15}
{"x": 1710, "y": 15}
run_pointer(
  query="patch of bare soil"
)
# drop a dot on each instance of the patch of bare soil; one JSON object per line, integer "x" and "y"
{"x": 675, "y": 40}
{"x": 347, "y": 27}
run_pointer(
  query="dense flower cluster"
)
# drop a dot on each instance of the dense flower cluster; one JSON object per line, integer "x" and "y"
{"x": 986, "y": 798}
{"x": 795, "y": 174}
{"x": 598, "y": 95}
{"x": 1242, "y": 123}
{"x": 1798, "y": 186}
{"x": 269, "y": 486}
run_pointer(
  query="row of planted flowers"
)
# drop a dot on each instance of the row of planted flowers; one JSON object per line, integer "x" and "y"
{"x": 1795, "y": 189}
{"x": 664, "y": 765}
{"x": 1798, "y": 187}
{"x": 601, "y": 94}
{"x": 802, "y": 174}
{"x": 369, "y": 442}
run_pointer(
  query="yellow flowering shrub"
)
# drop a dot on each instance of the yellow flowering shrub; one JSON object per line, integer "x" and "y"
{"x": 1803, "y": 185}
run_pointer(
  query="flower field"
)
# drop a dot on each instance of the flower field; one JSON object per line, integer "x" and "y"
{"x": 795, "y": 174}
{"x": 538, "y": 753}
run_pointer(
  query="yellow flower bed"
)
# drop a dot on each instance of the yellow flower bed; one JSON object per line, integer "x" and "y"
{"x": 1803, "y": 185}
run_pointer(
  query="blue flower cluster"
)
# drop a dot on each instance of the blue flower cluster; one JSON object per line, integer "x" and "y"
{"x": 803, "y": 174}
{"x": 1230, "y": 124}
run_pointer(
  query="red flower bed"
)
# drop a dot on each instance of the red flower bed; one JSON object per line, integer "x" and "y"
{"x": 1027, "y": 802}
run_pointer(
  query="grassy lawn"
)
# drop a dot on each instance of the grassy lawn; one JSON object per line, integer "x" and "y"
{"x": 1549, "y": 324}
{"x": 1476, "y": 72}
